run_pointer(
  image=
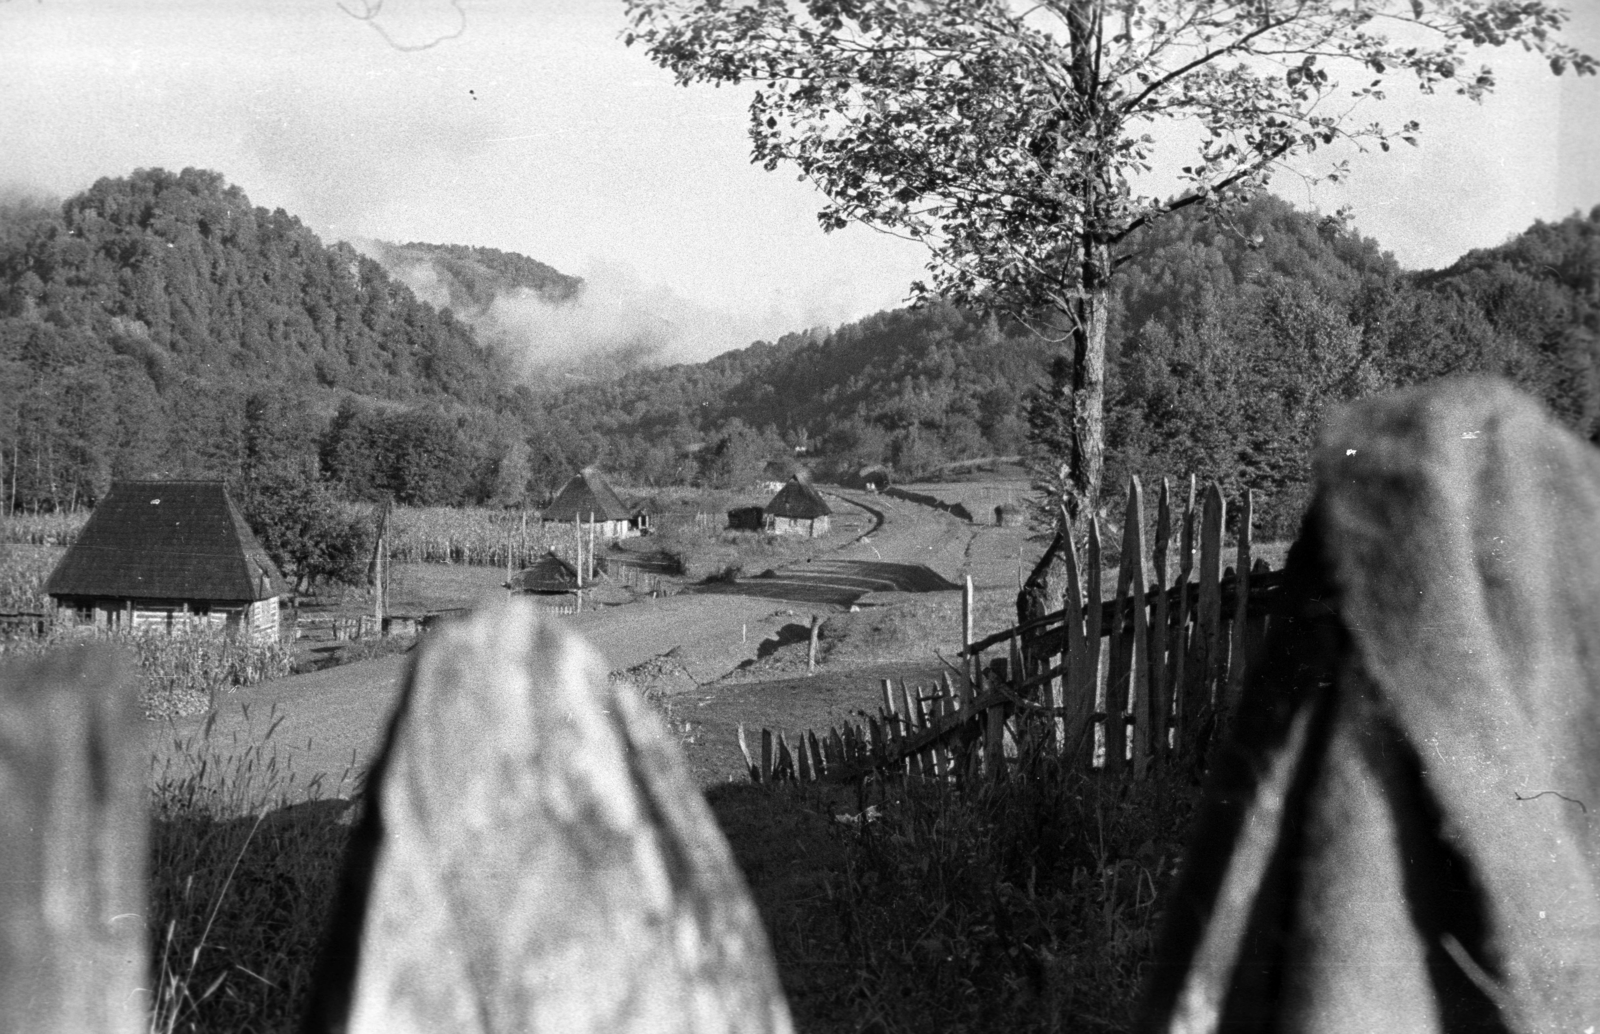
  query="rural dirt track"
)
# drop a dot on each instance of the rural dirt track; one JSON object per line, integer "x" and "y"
{"x": 329, "y": 721}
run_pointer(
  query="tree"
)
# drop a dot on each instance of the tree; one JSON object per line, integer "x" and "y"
{"x": 1010, "y": 136}
{"x": 305, "y": 530}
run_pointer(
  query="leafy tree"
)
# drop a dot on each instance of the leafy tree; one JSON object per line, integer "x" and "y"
{"x": 306, "y": 531}
{"x": 1010, "y": 136}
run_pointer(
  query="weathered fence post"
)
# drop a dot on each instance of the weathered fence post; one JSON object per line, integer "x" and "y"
{"x": 1207, "y": 645}
{"x": 1182, "y": 669}
{"x": 73, "y": 855}
{"x": 1241, "y": 604}
{"x": 534, "y": 856}
{"x": 811, "y": 648}
{"x": 1160, "y": 692}
{"x": 1120, "y": 691}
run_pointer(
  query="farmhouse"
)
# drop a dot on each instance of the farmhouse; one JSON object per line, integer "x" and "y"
{"x": 165, "y": 554}
{"x": 589, "y": 500}
{"x": 798, "y": 509}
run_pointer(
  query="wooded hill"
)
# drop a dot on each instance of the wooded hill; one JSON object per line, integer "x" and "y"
{"x": 159, "y": 323}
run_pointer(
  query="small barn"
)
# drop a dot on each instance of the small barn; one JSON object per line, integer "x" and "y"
{"x": 588, "y": 500}
{"x": 548, "y": 576}
{"x": 747, "y": 518}
{"x": 798, "y": 509}
{"x": 165, "y": 555}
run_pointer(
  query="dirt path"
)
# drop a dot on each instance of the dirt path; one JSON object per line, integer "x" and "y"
{"x": 329, "y": 722}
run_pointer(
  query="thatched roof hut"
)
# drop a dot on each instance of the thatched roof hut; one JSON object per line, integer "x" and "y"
{"x": 798, "y": 508}
{"x": 546, "y": 576}
{"x": 588, "y": 499}
{"x": 157, "y": 553}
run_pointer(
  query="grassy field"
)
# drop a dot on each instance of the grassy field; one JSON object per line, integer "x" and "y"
{"x": 1029, "y": 906}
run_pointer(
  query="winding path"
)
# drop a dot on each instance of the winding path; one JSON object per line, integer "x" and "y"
{"x": 326, "y": 724}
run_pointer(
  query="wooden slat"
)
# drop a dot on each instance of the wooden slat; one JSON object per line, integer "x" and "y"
{"x": 814, "y": 748}
{"x": 73, "y": 835}
{"x": 784, "y": 769}
{"x": 833, "y": 748}
{"x": 1139, "y": 706}
{"x": 1160, "y": 630}
{"x": 1183, "y": 667}
{"x": 749, "y": 762}
{"x": 1079, "y": 682}
{"x": 766, "y": 755}
{"x": 1208, "y": 617}
{"x": 803, "y": 758}
{"x": 1236, "y": 651}
{"x": 912, "y": 724}
{"x": 1119, "y": 668}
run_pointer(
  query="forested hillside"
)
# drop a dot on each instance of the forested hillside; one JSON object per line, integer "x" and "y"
{"x": 160, "y": 324}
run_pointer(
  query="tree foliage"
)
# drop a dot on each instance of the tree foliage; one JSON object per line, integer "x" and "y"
{"x": 306, "y": 531}
{"x": 1014, "y": 138}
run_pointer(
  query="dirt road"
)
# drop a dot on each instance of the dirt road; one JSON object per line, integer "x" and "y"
{"x": 329, "y": 721}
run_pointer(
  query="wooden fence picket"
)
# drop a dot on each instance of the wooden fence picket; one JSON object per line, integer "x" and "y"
{"x": 1236, "y": 650}
{"x": 1171, "y": 657}
{"x": 1139, "y": 706}
{"x": 1119, "y": 669}
{"x": 1208, "y": 610}
{"x": 1093, "y": 627}
{"x": 1182, "y": 648}
{"x": 1078, "y": 683}
{"x": 1160, "y": 630}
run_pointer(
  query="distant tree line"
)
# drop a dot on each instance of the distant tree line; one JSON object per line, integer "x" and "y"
{"x": 158, "y": 324}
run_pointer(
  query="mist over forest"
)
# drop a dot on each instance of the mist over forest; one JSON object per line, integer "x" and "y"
{"x": 159, "y": 324}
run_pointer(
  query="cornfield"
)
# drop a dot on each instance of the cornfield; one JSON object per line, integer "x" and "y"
{"x": 43, "y": 529}
{"x": 23, "y": 570}
{"x": 182, "y": 672}
{"x": 444, "y": 535}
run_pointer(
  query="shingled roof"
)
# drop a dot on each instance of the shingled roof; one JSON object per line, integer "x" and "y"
{"x": 798, "y": 501}
{"x": 166, "y": 540}
{"x": 585, "y": 495}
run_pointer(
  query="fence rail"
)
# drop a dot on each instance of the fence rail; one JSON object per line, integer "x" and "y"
{"x": 1117, "y": 684}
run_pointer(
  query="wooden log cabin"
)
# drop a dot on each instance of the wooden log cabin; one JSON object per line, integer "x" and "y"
{"x": 167, "y": 555}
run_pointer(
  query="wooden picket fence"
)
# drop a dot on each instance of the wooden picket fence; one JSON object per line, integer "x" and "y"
{"x": 1115, "y": 684}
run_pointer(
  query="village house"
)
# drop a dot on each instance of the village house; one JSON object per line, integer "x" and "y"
{"x": 588, "y": 500}
{"x": 167, "y": 555}
{"x": 798, "y": 509}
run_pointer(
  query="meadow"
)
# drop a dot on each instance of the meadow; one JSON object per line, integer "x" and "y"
{"x": 1029, "y": 905}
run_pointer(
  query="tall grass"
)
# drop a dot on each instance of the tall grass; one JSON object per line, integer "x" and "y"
{"x": 245, "y": 862}
{"x": 1028, "y": 905}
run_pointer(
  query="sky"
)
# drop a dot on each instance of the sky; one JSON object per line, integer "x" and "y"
{"x": 533, "y": 129}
